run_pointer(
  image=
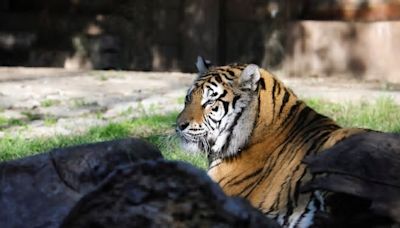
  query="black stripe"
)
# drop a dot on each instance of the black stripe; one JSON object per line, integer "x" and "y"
{"x": 235, "y": 99}
{"x": 285, "y": 99}
{"x": 292, "y": 114}
{"x": 289, "y": 205}
{"x": 212, "y": 167}
{"x": 206, "y": 122}
{"x": 298, "y": 124}
{"x": 252, "y": 184}
{"x": 293, "y": 109}
{"x": 275, "y": 205}
{"x": 213, "y": 74}
{"x": 223, "y": 94}
{"x": 230, "y": 130}
{"x": 213, "y": 83}
{"x": 222, "y": 179}
{"x": 232, "y": 179}
{"x": 258, "y": 111}
{"x": 228, "y": 77}
{"x": 262, "y": 83}
{"x": 226, "y": 105}
{"x": 279, "y": 90}
{"x": 273, "y": 98}
{"x": 318, "y": 143}
{"x": 213, "y": 120}
{"x": 231, "y": 72}
{"x": 253, "y": 174}
{"x": 297, "y": 186}
{"x": 218, "y": 79}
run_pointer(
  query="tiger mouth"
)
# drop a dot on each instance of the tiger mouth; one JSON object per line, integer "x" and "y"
{"x": 194, "y": 138}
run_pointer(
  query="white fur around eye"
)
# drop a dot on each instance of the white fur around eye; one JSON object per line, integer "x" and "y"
{"x": 211, "y": 94}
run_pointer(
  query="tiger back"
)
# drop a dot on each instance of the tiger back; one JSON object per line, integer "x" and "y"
{"x": 255, "y": 132}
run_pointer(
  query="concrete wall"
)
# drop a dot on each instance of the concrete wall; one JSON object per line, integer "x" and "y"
{"x": 356, "y": 49}
{"x": 356, "y": 38}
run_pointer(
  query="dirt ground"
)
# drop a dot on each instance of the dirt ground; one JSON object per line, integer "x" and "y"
{"x": 51, "y": 101}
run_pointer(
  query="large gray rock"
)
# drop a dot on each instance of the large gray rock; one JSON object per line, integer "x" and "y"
{"x": 39, "y": 191}
{"x": 162, "y": 194}
{"x": 364, "y": 173}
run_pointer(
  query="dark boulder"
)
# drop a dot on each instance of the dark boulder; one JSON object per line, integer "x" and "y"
{"x": 40, "y": 190}
{"x": 364, "y": 171}
{"x": 162, "y": 194}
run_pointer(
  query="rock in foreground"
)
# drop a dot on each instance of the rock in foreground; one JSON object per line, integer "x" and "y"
{"x": 162, "y": 194}
{"x": 364, "y": 171}
{"x": 40, "y": 190}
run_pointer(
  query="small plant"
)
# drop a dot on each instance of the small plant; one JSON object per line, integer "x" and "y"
{"x": 99, "y": 115}
{"x": 15, "y": 122}
{"x": 103, "y": 77}
{"x": 80, "y": 102}
{"x": 31, "y": 116}
{"x": 50, "y": 121}
{"x": 49, "y": 103}
{"x": 10, "y": 122}
{"x": 3, "y": 121}
{"x": 127, "y": 112}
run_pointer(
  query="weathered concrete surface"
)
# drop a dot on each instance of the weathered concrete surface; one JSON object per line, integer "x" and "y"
{"x": 73, "y": 101}
{"x": 39, "y": 191}
{"x": 357, "y": 49}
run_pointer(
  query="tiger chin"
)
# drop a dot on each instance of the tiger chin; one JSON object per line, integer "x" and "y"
{"x": 255, "y": 132}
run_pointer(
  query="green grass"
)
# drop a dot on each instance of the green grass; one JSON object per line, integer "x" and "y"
{"x": 157, "y": 129}
{"x": 382, "y": 114}
{"x": 9, "y": 122}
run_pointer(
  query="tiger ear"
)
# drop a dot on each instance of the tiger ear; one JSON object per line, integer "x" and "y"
{"x": 250, "y": 77}
{"x": 202, "y": 65}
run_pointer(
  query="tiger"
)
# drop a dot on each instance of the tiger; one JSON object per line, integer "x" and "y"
{"x": 255, "y": 132}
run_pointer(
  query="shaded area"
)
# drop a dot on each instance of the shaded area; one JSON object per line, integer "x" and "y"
{"x": 82, "y": 34}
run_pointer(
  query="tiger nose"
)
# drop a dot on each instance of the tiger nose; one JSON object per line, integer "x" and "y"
{"x": 183, "y": 126}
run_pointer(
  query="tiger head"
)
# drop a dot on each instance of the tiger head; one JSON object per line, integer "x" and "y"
{"x": 219, "y": 109}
